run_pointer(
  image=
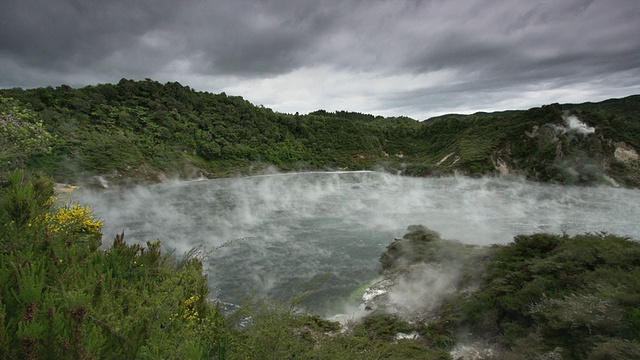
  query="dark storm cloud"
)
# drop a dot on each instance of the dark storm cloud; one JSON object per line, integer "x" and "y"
{"x": 530, "y": 43}
{"x": 253, "y": 37}
{"x": 63, "y": 35}
{"x": 388, "y": 56}
{"x": 222, "y": 37}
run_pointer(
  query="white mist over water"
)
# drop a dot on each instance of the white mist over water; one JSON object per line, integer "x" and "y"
{"x": 326, "y": 231}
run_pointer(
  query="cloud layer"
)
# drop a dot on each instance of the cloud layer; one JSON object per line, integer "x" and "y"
{"x": 389, "y": 57}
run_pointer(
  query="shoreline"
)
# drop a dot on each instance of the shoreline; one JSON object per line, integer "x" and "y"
{"x": 64, "y": 193}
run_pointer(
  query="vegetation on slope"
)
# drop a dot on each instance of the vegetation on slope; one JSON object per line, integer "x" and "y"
{"x": 143, "y": 129}
{"x": 22, "y": 135}
{"x": 541, "y": 296}
{"x": 575, "y": 296}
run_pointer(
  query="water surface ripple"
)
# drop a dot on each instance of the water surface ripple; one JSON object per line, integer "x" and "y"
{"x": 325, "y": 231}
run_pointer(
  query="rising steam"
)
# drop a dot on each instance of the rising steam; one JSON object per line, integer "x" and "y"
{"x": 577, "y": 126}
{"x": 285, "y": 231}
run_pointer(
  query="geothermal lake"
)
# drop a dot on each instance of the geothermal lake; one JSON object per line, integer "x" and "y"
{"x": 324, "y": 232}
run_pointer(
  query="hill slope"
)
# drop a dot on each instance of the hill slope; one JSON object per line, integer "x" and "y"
{"x": 145, "y": 130}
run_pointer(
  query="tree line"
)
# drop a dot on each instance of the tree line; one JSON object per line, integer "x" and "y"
{"x": 139, "y": 129}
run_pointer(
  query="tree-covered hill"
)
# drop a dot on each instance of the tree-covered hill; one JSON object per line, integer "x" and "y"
{"x": 145, "y": 130}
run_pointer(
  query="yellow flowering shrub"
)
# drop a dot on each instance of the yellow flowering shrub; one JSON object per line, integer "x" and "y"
{"x": 74, "y": 218}
{"x": 190, "y": 312}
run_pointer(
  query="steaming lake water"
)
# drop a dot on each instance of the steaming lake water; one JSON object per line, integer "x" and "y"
{"x": 324, "y": 232}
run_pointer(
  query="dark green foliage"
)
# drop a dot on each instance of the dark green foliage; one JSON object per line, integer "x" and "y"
{"x": 383, "y": 327}
{"x": 614, "y": 118}
{"x": 421, "y": 244}
{"x": 137, "y": 128}
{"x": 141, "y": 129}
{"x": 615, "y": 350}
{"x": 318, "y": 323}
{"x": 273, "y": 331}
{"x": 411, "y": 248}
{"x": 21, "y": 135}
{"x": 23, "y": 197}
{"x": 540, "y": 296}
{"x": 578, "y": 294}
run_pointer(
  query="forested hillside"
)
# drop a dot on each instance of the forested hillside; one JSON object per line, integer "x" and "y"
{"x": 145, "y": 130}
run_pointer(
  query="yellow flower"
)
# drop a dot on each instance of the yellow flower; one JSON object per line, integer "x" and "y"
{"x": 190, "y": 312}
{"x": 74, "y": 218}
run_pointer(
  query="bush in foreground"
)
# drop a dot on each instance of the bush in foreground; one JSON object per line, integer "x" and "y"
{"x": 61, "y": 297}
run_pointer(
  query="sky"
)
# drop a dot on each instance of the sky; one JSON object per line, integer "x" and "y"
{"x": 416, "y": 58}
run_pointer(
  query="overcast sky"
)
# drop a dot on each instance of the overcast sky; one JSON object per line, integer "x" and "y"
{"x": 387, "y": 57}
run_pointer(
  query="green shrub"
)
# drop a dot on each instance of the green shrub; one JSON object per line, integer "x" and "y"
{"x": 62, "y": 297}
{"x": 578, "y": 294}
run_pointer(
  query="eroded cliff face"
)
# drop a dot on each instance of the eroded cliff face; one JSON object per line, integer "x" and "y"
{"x": 626, "y": 154}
